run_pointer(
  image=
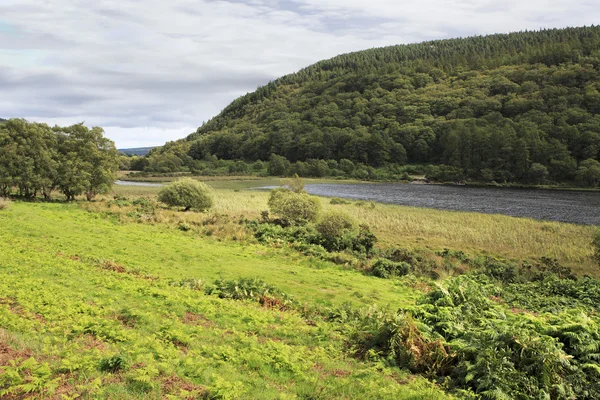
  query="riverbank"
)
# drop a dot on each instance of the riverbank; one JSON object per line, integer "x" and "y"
{"x": 408, "y": 227}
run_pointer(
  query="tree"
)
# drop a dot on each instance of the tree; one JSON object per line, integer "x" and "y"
{"x": 88, "y": 161}
{"x": 278, "y": 165}
{"x": 588, "y": 173}
{"x": 187, "y": 193}
{"x": 538, "y": 173}
{"x": 294, "y": 208}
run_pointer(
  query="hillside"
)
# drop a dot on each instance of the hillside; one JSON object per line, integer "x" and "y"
{"x": 520, "y": 107}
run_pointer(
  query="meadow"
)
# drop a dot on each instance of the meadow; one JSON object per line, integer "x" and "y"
{"x": 125, "y": 298}
{"x": 92, "y": 307}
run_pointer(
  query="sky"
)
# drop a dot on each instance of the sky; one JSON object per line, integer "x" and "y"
{"x": 151, "y": 71}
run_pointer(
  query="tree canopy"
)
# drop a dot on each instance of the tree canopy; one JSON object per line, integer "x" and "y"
{"x": 37, "y": 159}
{"x": 492, "y": 107}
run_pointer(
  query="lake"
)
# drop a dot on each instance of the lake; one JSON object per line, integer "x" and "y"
{"x": 579, "y": 207}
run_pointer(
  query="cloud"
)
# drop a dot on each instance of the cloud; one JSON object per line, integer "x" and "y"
{"x": 151, "y": 71}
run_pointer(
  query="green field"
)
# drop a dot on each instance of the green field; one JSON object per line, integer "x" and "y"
{"x": 108, "y": 299}
{"x": 78, "y": 288}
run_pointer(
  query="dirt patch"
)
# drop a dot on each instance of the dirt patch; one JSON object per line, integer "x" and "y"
{"x": 191, "y": 318}
{"x": 17, "y": 309}
{"x": 7, "y": 354}
{"x": 120, "y": 269}
{"x": 174, "y": 385}
{"x": 91, "y": 342}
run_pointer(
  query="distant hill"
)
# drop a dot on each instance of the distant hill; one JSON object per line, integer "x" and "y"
{"x": 510, "y": 107}
{"x": 138, "y": 151}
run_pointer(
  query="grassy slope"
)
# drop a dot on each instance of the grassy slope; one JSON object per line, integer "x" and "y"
{"x": 60, "y": 304}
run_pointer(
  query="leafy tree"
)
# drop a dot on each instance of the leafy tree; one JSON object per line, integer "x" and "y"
{"x": 588, "y": 173}
{"x": 538, "y": 173}
{"x": 278, "y": 165}
{"x": 88, "y": 161}
{"x": 187, "y": 193}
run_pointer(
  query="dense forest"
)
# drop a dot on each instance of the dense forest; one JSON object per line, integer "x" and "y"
{"x": 520, "y": 107}
{"x": 37, "y": 159}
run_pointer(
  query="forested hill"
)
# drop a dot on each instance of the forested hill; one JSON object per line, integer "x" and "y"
{"x": 513, "y": 107}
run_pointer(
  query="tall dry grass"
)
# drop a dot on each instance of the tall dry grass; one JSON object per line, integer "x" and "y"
{"x": 412, "y": 227}
{"x": 4, "y": 203}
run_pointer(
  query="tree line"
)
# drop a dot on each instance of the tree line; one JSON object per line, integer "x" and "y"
{"x": 523, "y": 107}
{"x": 38, "y": 159}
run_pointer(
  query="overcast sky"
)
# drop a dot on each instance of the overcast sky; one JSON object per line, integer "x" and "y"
{"x": 149, "y": 71}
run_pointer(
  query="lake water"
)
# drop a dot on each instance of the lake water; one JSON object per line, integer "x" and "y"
{"x": 552, "y": 205}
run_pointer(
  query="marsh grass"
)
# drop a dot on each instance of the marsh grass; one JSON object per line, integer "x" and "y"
{"x": 423, "y": 228}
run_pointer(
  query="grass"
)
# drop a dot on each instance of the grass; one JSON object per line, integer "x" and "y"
{"x": 412, "y": 227}
{"x": 87, "y": 309}
{"x": 94, "y": 304}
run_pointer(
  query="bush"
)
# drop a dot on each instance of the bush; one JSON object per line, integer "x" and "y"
{"x": 384, "y": 268}
{"x": 336, "y": 201}
{"x": 293, "y": 208}
{"x": 4, "y": 203}
{"x": 596, "y": 245}
{"x": 364, "y": 241}
{"x": 187, "y": 193}
{"x": 332, "y": 227}
{"x": 253, "y": 289}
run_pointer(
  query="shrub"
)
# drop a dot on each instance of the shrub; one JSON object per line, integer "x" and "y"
{"x": 384, "y": 268}
{"x": 332, "y": 226}
{"x": 187, "y": 193}
{"x": 113, "y": 364}
{"x": 336, "y": 201}
{"x": 364, "y": 241}
{"x": 251, "y": 289}
{"x": 295, "y": 184}
{"x": 596, "y": 245}
{"x": 293, "y": 208}
{"x": 4, "y": 203}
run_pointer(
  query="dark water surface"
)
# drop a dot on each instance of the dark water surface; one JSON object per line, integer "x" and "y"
{"x": 554, "y": 205}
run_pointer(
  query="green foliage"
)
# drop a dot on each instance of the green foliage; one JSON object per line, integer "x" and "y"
{"x": 38, "y": 159}
{"x": 148, "y": 319}
{"x": 333, "y": 226}
{"x": 596, "y": 245}
{"x": 278, "y": 165}
{"x": 27, "y": 378}
{"x": 294, "y": 208}
{"x": 295, "y": 184}
{"x": 113, "y": 364}
{"x": 462, "y": 331}
{"x": 384, "y": 268}
{"x": 253, "y": 289}
{"x": 336, "y": 201}
{"x": 187, "y": 193}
